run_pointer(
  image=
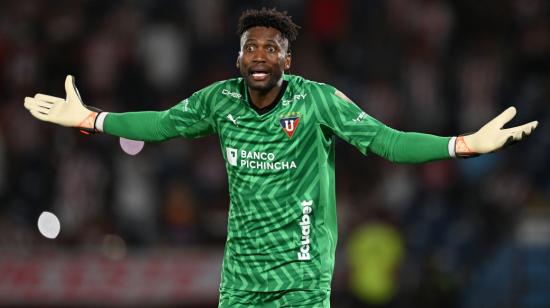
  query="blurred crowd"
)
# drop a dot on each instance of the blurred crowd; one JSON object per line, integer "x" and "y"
{"x": 441, "y": 67}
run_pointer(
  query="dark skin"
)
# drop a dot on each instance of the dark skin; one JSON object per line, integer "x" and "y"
{"x": 262, "y": 61}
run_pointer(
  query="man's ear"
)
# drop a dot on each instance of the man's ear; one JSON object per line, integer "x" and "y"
{"x": 288, "y": 60}
{"x": 238, "y": 62}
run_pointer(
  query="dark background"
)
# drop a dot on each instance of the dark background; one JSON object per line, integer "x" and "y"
{"x": 461, "y": 233}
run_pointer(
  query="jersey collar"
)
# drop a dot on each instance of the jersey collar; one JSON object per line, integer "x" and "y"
{"x": 286, "y": 95}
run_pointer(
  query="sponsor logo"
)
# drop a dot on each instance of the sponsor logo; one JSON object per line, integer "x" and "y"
{"x": 233, "y": 120}
{"x": 296, "y": 97}
{"x": 289, "y": 123}
{"x": 231, "y": 94}
{"x": 231, "y": 155}
{"x": 305, "y": 226}
{"x": 256, "y": 160}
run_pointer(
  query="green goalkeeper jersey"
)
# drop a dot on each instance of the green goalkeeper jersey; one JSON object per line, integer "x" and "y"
{"x": 282, "y": 228}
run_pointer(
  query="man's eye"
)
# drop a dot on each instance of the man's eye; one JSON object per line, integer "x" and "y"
{"x": 249, "y": 48}
{"x": 271, "y": 49}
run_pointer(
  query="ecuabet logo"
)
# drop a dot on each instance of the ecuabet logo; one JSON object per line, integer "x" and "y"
{"x": 290, "y": 123}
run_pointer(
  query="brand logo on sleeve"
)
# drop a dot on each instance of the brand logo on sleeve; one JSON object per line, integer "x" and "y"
{"x": 362, "y": 115}
{"x": 289, "y": 123}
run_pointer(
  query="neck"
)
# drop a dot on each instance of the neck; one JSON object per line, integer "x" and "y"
{"x": 261, "y": 99}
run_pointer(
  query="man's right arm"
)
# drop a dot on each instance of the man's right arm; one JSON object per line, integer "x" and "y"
{"x": 190, "y": 118}
{"x": 145, "y": 125}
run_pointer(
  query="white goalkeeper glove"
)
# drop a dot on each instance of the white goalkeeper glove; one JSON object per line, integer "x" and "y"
{"x": 70, "y": 112}
{"x": 492, "y": 136}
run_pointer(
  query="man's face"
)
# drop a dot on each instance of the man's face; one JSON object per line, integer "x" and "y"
{"x": 263, "y": 58}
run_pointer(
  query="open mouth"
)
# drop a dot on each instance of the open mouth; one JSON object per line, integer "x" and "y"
{"x": 259, "y": 75}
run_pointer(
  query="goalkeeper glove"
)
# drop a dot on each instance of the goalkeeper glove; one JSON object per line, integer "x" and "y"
{"x": 70, "y": 112}
{"x": 492, "y": 136}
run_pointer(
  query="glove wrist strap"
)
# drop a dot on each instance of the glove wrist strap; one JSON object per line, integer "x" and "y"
{"x": 462, "y": 150}
{"x": 89, "y": 124}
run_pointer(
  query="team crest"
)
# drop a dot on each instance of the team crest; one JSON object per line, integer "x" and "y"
{"x": 290, "y": 123}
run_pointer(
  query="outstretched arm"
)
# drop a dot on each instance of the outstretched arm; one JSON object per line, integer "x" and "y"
{"x": 345, "y": 119}
{"x": 149, "y": 126}
{"x": 187, "y": 119}
{"x": 409, "y": 147}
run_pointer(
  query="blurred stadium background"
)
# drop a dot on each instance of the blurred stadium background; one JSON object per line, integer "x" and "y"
{"x": 148, "y": 230}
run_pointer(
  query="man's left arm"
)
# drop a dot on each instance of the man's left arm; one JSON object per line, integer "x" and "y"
{"x": 345, "y": 119}
{"x": 408, "y": 147}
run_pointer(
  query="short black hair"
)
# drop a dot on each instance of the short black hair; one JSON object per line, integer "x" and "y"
{"x": 270, "y": 18}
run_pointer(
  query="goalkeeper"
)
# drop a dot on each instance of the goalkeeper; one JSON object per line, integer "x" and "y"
{"x": 277, "y": 133}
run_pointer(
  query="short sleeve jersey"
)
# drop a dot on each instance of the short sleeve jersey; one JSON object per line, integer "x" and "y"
{"x": 282, "y": 228}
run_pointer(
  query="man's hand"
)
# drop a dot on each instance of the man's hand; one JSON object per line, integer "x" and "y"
{"x": 69, "y": 112}
{"x": 492, "y": 136}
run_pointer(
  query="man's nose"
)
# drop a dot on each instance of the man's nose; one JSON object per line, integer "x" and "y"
{"x": 259, "y": 55}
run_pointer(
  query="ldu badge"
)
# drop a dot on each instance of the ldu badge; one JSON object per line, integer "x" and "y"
{"x": 289, "y": 125}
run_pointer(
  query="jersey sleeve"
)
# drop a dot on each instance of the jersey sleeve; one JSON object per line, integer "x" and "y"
{"x": 343, "y": 118}
{"x": 410, "y": 147}
{"x": 191, "y": 118}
